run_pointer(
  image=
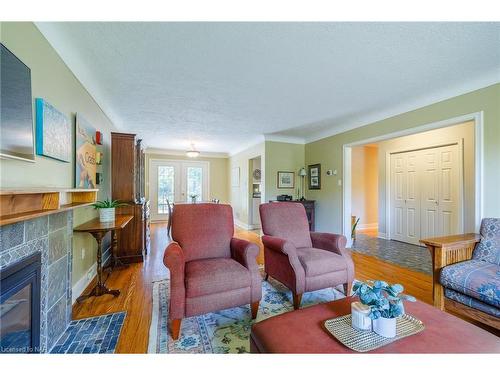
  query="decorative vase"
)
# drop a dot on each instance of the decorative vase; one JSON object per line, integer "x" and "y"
{"x": 385, "y": 327}
{"x": 106, "y": 215}
{"x": 360, "y": 317}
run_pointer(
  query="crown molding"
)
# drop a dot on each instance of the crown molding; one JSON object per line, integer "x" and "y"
{"x": 358, "y": 122}
{"x": 284, "y": 139}
{"x": 203, "y": 154}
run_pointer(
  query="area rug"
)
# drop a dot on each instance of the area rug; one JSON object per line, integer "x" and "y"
{"x": 98, "y": 334}
{"x": 225, "y": 331}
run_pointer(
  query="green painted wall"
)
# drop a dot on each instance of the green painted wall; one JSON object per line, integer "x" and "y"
{"x": 328, "y": 151}
{"x": 52, "y": 80}
{"x": 287, "y": 157}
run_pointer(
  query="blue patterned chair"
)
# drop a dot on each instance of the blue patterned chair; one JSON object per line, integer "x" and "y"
{"x": 475, "y": 283}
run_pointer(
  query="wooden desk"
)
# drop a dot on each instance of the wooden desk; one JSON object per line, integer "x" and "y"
{"x": 448, "y": 250}
{"x": 98, "y": 230}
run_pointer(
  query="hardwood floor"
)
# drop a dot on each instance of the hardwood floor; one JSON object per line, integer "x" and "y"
{"x": 135, "y": 285}
{"x": 135, "y": 298}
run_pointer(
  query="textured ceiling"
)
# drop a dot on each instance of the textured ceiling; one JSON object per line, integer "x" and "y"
{"x": 224, "y": 86}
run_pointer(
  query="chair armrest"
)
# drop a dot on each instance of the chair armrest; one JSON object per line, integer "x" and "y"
{"x": 280, "y": 245}
{"x": 451, "y": 249}
{"x": 331, "y": 242}
{"x": 245, "y": 253}
{"x": 175, "y": 261}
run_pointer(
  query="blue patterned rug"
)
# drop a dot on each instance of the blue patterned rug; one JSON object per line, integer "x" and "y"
{"x": 225, "y": 331}
{"x": 98, "y": 334}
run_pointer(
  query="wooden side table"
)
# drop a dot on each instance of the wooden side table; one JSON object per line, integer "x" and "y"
{"x": 445, "y": 251}
{"x": 98, "y": 230}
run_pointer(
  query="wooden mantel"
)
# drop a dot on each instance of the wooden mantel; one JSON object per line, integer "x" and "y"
{"x": 24, "y": 204}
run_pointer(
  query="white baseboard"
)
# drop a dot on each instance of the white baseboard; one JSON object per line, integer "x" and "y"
{"x": 381, "y": 235}
{"x": 81, "y": 284}
{"x": 367, "y": 226}
{"x": 246, "y": 226}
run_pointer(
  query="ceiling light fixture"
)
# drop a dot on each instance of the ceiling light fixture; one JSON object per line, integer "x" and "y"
{"x": 192, "y": 153}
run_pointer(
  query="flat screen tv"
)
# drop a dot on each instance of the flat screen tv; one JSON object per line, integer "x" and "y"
{"x": 16, "y": 114}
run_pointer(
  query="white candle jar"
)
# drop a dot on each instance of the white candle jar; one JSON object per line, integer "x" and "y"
{"x": 360, "y": 317}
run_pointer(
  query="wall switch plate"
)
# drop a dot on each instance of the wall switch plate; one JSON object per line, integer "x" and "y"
{"x": 83, "y": 253}
{"x": 339, "y": 182}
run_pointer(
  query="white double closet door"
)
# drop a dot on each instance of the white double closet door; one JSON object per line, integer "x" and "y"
{"x": 426, "y": 193}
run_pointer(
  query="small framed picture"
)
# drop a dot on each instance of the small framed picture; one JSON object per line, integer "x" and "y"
{"x": 286, "y": 180}
{"x": 314, "y": 176}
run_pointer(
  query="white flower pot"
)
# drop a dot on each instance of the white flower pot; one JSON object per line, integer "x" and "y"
{"x": 106, "y": 215}
{"x": 385, "y": 327}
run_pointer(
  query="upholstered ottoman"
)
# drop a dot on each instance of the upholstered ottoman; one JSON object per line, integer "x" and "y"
{"x": 302, "y": 331}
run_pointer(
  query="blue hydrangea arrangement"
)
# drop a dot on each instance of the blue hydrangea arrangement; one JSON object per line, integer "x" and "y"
{"x": 384, "y": 300}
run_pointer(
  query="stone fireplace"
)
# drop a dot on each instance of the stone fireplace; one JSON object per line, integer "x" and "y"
{"x": 50, "y": 238}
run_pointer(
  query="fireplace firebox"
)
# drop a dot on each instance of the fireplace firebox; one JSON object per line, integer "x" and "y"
{"x": 20, "y": 306}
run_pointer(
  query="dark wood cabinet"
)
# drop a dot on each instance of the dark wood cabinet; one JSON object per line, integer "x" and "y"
{"x": 127, "y": 185}
{"x": 309, "y": 206}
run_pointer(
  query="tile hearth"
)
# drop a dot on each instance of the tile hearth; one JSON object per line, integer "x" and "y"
{"x": 97, "y": 334}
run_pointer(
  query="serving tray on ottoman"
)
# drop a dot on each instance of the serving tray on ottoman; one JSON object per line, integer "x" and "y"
{"x": 303, "y": 331}
{"x": 364, "y": 341}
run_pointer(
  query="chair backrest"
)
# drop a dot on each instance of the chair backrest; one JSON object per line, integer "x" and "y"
{"x": 489, "y": 247}
{"x": 203, "y": 230}
{"x": 286, "y": 220}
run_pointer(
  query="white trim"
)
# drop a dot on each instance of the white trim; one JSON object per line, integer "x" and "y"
{"x": 477, "y": 117}
{"x": 245, "y": 226}
{"x": 428, "y": 100}
{"x": 479, "y": 168}
{"x": 381, "y": 235}
{"x": 284, "y": 139}
{"x": 83, "y": 283}
{"x": 367, "y": 226}
{"x": 203, "y": 154}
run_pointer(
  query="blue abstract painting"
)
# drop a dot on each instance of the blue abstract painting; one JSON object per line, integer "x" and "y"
{"x": 53, "y": 132}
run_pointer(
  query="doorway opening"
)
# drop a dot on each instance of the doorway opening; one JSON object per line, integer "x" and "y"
{"x": 255, "y": 192}
{"x": 420, "y": 183}
{"x": 176, "y": 181}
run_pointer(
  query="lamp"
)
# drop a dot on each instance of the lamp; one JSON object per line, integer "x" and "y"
{"x": 192, "y": 153}
{"x": 303, "y": 174}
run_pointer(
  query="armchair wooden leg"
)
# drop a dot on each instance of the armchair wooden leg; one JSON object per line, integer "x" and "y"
{"x": 255, "y": 309}
{"x": 296, "y": 300}
{"x": 175, "y": 326}
{"x": 347, "y": 289}
{"x": 266, "y": 277}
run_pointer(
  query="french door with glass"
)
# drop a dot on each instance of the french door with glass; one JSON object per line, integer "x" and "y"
{"x": 178, "y": 182}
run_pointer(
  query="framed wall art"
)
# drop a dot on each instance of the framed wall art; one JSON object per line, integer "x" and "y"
{"x": 314, "y": 173}
{"x": 286, "y": 180}
{"x": 53, "y": 132}
{"x": 85, "y": 154}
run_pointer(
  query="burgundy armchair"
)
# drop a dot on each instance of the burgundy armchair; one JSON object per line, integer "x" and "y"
{"x": 209, "y": 269}
{"x": 304, "y": 261}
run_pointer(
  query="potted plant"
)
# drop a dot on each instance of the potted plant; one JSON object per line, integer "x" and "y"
{"x": 354, "y": 224}
{"x": 107, "y": 209}
{"x": 385, "y": 302}
{"x": 193, "y": 198}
